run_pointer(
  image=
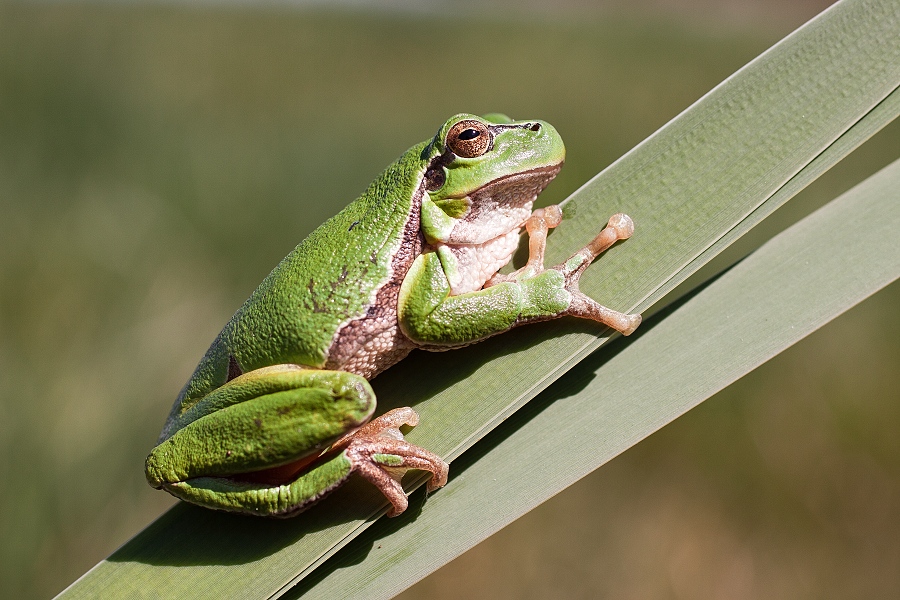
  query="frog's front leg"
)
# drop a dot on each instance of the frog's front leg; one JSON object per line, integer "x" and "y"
{"x": 538, "y": 226}
{"x": 275, "y": 440}
{"x": 619, "y": 227}
{"x": 431, "y": 316}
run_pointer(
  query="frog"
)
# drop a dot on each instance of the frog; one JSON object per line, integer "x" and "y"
{"x": 279, "y": 411}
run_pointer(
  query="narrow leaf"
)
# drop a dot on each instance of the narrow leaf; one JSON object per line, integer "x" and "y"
{"x": 791, "y": 286}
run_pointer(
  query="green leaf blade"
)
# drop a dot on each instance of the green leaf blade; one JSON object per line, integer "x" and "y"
{"x": 791, "y": 286}
{"x": 729, "y": 153}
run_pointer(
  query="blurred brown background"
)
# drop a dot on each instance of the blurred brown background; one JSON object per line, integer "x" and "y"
{"x": 157, "y": 159}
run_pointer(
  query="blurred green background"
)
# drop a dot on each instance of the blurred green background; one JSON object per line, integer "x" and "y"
{"x": 156, "y": 160}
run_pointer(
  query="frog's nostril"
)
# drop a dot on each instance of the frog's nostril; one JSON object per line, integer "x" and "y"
{"x": 535, "y": 127}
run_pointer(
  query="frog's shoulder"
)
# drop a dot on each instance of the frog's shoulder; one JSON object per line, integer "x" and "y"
{"x": 371, "y": 341}
{"x": 334, "y": 276}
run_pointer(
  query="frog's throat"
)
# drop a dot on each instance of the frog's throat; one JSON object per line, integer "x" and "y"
{"x": 485, "y": 237}
{"x": 499, "y": 206}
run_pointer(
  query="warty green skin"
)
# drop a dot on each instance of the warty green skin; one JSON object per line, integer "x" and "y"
{"x": 287, "y": 376}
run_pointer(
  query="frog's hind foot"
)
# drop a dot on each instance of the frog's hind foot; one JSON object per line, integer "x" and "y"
{"x": 379, "y": 453}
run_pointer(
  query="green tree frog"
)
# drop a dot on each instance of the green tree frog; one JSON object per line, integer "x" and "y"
{"x": 279, "y": 410}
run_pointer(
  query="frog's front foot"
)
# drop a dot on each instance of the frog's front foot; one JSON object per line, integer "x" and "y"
{"x": 378, "y": 452}
{"x": 619, "y": 227}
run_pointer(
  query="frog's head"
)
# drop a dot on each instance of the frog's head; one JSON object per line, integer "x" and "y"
{"x": 484, "y": 173}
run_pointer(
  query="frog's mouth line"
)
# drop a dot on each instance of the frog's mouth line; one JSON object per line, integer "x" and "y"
{"x": 538, "y": 177}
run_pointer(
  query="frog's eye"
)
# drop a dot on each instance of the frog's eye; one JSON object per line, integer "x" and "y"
{"x": 469, "y": 139}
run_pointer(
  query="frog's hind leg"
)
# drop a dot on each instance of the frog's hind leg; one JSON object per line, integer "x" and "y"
{"x": 378, "y": 452}
{"x": 275, "y": 440}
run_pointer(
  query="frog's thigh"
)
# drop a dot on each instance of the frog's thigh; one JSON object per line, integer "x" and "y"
{"x": 283, "y": 423}
{"x": 377, "y": 451}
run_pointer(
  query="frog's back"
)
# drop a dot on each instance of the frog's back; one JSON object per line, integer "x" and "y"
{"x": 337, "y": 281}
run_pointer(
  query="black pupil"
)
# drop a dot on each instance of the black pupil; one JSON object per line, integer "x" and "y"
{"x": 469, "y": 134}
